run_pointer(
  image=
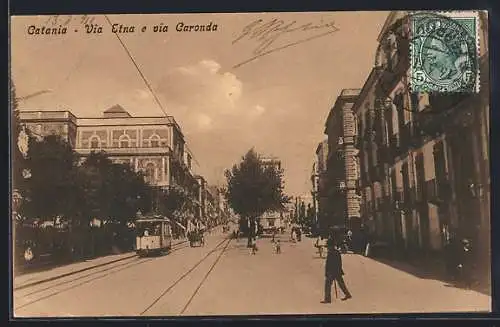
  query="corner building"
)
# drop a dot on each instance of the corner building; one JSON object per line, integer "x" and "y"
{"x": 424, "y": 157}
{"x": 153, "y": 145}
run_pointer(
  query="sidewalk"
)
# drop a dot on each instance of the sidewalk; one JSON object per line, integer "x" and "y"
{"x": 34, "y": 278}
{"x": 432, "y": 267}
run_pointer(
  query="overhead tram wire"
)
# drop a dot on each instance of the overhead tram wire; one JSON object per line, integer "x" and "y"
{"x": 138, "y": 68}
{"x": 145, "y": 80}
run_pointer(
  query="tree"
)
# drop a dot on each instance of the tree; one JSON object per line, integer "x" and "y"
{"x": 252, "y": 189}
{"x": 50, "y": 191}
{"x": 172, "y": 202}
{"x": 18, "y": 160}
{"x": 302, "y": 213}
{"x": 113, "y": 191}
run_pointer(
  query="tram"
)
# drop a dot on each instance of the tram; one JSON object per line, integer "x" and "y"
{"x": 154, "y": 235}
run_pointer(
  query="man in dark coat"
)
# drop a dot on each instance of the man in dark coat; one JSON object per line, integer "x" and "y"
{"x": 334, "y": 272}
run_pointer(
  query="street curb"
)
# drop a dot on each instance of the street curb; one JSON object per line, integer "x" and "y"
{"x": 23, "y": 286}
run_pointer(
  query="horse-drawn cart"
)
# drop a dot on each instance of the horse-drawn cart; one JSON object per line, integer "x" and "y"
{"x": 196, "y": 238}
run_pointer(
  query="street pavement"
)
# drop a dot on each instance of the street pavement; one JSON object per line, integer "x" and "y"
{"x": 26, "y": 279}
{"x": 231, "y": 281}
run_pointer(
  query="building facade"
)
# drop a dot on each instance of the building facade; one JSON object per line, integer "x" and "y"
{"x": 271, "y": 162}
{"x": 320, "y": 185}
{"x": 271, "y": 220}
{"x": 424, "y": 157}
{"x": 152, "y": 145}
{"x": 343, "y": 207}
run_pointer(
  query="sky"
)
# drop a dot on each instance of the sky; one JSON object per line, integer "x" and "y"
{"x": 225, "y": 104}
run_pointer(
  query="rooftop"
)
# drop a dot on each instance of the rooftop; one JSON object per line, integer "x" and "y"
{"x": 116, "y": 109}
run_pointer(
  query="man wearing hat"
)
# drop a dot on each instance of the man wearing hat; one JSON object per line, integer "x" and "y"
{"x": 334, "y": 272}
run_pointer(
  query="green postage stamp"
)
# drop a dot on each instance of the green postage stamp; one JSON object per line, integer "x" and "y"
{"x": 444, "y": 51}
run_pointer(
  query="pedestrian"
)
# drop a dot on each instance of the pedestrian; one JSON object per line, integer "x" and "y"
{"x": 334, "y": 273}
{"x": 320, "y": 245}
{"x": 294, "y": 235}
{"x": 253, "y": 247}
{"x": 465, "y": 265}
{"x": 277, "y": 247}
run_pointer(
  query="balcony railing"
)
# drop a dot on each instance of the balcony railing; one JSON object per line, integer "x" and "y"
{"x": 395, "y": 146}
{"x": 438, "y": 192}
{"x": 405, "y": 198}
{"x": 127, "y": 151}
{"x": 385, "y": 154}
{"x": 405, "y": 133}
{"x": 379, "y": 204}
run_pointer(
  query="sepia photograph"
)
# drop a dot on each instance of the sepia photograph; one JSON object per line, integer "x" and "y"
{"x": 250, "y": 164}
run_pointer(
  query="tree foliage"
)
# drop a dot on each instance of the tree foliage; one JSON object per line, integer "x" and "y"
{"x": 112, "y": 191}
{"x": 17, "y": 159}
{"x": 52, "y": 188}
{"x": 173, "y": 202}
{"x": 252, "y": 189}
{"x": 98, "y": 188}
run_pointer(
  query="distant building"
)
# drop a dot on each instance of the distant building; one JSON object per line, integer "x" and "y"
{"x": 271, "y": 162}
{"x": 320, "y": 184}
{"x": 342, "y": 166}
{"x": 153, "y": 145}
{"x": 273, "y": 219}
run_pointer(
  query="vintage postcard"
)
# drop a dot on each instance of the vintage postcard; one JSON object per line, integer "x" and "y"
{"x": 250, "y": 164}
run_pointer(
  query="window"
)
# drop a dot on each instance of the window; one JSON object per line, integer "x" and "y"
{"x": 94, "y": 142}
{"x": 124, "y": 141}
{"x": 150, "y": 173}
{"x": 154, "y": 141}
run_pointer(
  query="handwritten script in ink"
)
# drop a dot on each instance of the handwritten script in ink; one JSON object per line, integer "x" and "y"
{"x": 267, "y": 33}
{"x": 65, "y": 20}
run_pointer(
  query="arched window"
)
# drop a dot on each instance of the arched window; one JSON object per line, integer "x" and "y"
{"x": 95, "y": 142}
{"x": 150, "y": 173}
{"x": 154, "y": 141}
{"x": 124, "y": 141}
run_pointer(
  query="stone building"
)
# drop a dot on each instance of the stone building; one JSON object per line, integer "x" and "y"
{"x": 271, "y": 162}
{"x": 319, "y": 184}
{"x": 342, "y": 164}
{"x": 424, "y": 157}
{"x": 153, "y": 145}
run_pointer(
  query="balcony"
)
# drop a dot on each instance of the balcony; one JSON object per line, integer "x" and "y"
{"x": 405, "y": 132}
{"x": 420, "y": 193}
{"x": 385, "y": 154}
{"x": 438, "y": 192}
{"x": 377, "y": 172}
{"x": 395, "y": 147}
{"x": 405, "y": 198}
{"x": 439, "y": 102}
{"x": 126, "y": 151}
{"x": 379, "y": 204}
